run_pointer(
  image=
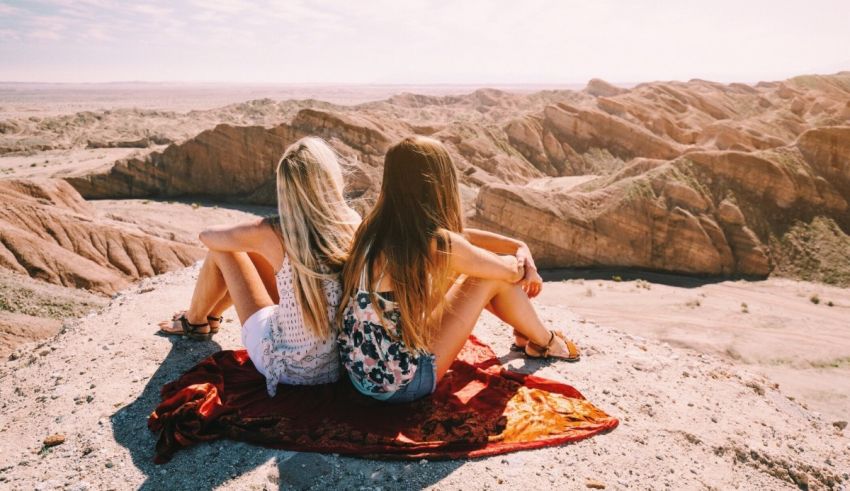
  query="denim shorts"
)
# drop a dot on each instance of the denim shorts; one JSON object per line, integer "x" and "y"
{"x": 422, "y": 384}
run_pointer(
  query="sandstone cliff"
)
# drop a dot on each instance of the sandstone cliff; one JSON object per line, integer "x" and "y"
{"x": 707, "y": 212}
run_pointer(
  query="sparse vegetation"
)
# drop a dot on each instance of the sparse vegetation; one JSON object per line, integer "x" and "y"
{"x": 815, "y": 251}
{"x": 643, "y": 284}
{"x": 588, "y": 292}
{"x": 830, "y": 304}
{"x": 815, "y": 299}
{"x": 617, "y": 278}
{"x": 195, "y": 206}
{"x": 835, "y": 363}
{"x": 745, "y": 309}
{"x": 693, "y": 303}
{"x": 22, "y": 295}
{"x": 601, "y": 161}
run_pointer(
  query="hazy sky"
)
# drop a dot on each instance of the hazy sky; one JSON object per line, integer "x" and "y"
{"x": 421, "y": 41}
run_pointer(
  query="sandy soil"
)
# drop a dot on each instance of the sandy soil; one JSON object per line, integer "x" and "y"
{"x": 34, "y": 310}
{"x": 689, "y": 420}
{"x": 175, "y": 220}
{"x": 62, "y": 163}
{"x": 772, "y": 327}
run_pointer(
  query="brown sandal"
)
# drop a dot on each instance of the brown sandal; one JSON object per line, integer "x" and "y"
{"x": 188, "y": 329}
{"x": 211, "y": 319}
{"x": 539, "y": 351}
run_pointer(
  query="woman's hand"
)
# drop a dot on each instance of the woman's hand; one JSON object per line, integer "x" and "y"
{"x": 516, "y": 267}
{"x": 531, "y": 281}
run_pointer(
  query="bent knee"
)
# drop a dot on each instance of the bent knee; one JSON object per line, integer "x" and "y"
{"x": 487, "y": 283}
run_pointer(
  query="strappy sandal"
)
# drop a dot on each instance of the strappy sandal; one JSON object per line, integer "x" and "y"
{"x": 211, "y": 319}
{"x": 191, "y": 330}
{"x": 538, "y": 351}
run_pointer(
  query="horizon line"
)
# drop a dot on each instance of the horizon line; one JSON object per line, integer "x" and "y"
{"x": 402, "y": 84}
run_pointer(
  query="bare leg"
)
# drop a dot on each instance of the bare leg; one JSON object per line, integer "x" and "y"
{"x": 266, "y": 273}
{"x": 211, "y": 296}
{"x": 225, "y": 303}
{"x": 519, "y": 339}
{"x": 465, "y": 302}
{"x": 243, "y": 282}
{"x": 210, "y": 290}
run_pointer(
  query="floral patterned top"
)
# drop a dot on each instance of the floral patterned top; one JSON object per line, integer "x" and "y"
{"x": 377, "y": 363}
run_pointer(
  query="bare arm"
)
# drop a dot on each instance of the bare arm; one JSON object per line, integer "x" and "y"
{"x": 475, "y": 261}
{"x": 532, "y": 283}
{"x": 492, "y": 241}
{"x": 254, "y": 236}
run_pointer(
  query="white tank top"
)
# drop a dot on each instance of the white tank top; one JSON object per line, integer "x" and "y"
{"x": 292, "y": 353}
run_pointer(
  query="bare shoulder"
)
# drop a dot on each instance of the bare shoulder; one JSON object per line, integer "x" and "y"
{"x": 256, "y": 235}
{"x": 458, "y": 245}
{"x": 459, "y": 242}
{"x": 268, "y": 232}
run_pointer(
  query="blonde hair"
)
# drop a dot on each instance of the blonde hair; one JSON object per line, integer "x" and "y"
{"x": 419, "y": 204}
{"x": 315, "y": 224}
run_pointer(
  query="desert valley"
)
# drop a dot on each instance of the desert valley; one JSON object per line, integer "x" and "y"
{"x": 695, "y": 238}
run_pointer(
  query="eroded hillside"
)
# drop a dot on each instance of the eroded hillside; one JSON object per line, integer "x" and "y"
{"x": 695, "y": 177}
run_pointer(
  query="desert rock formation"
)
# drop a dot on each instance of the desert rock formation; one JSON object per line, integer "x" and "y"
{"x": 49, "y": 232}
{"x": 689, "y": 177}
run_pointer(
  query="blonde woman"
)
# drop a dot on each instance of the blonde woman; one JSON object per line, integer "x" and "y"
{"x": 281, "y": 274}
{"x": 404, "y": 317}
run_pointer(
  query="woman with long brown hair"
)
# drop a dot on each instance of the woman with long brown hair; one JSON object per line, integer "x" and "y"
{"x": 416, "y": 281}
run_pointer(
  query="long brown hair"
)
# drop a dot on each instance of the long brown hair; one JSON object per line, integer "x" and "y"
{"x": 315, "y": 225}
{"x": 419, "y": 204}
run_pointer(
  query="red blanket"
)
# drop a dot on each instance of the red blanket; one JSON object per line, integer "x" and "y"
{"x": 478, "y": 409}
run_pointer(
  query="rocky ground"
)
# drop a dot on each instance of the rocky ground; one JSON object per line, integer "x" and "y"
{"x": 34, "y": 310}
{"x": 688, "y": 420}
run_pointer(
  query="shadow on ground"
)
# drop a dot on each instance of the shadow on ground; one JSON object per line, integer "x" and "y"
{"x": 211, "y": 464}
{"x": 620, "y": 274}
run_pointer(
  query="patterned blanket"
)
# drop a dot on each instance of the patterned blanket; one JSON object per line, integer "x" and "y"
{"x": 478, "y": 409}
